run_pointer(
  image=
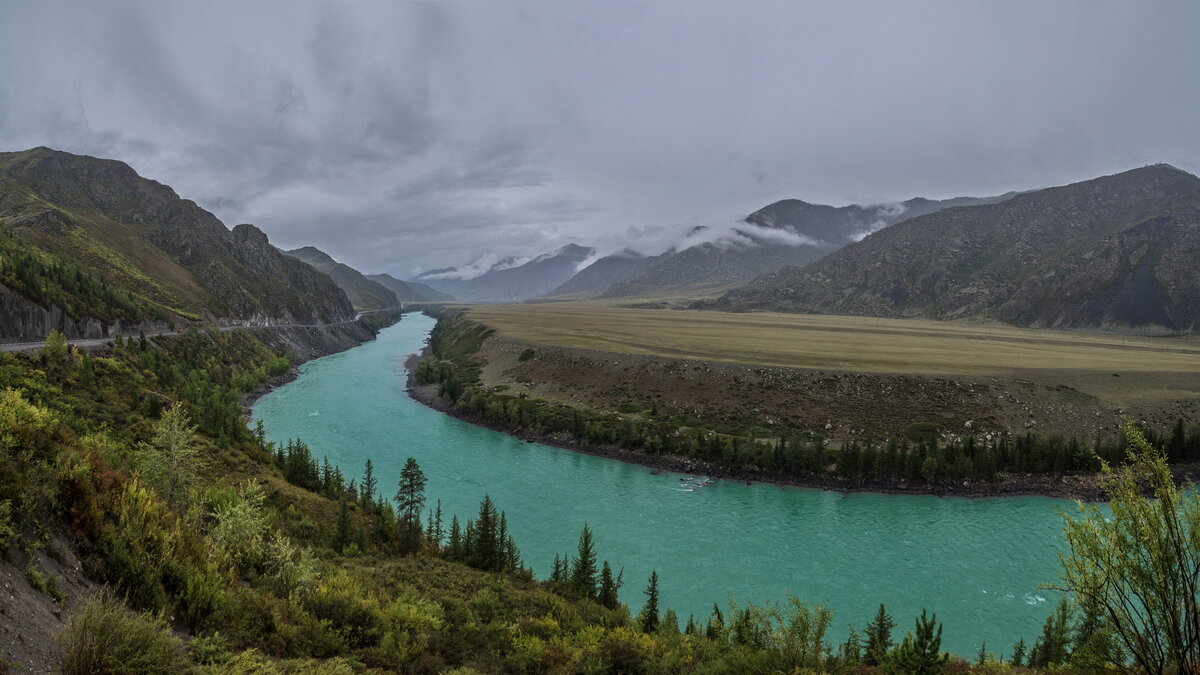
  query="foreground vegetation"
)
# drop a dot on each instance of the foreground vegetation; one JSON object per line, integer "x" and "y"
{"x": 921, "y": 455}
{"x": 225, "y": 553}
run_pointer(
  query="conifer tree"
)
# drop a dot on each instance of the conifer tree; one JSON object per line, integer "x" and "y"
{"x": 1018, "y": 653}
{"x": 454, "y": 547}
{"x": 716, "y": 624}
{"x": 649, "y": 615}
{"x": 482, "y": 547}
{"x": 921, "y": 653}
{"x": 1053, "y": 646}
{"x": 558, "y": 573}
{"x": 669, "y": 624}
{"x": 369, "y": 484}
{"x": 342, "y": 530}
{"x": 410, "y": 498}
{"x": 609, "y": 587}
{"x": 583, "y": 569}
{"x": 879, "y": 637}
{"x": 851, "y": 650}
{"x": 981, "y": 657}
{"x": 173, "y": 461}
{"x": 434, "y": 531}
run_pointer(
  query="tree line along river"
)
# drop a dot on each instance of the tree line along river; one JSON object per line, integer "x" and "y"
{"x": 977, "y": 563}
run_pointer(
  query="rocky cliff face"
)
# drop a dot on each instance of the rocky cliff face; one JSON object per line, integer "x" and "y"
{"x": 23, "y": 320}
{"x": 1114, "y": 253}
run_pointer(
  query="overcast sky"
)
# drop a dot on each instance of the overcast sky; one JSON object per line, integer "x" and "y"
{"x": 400, "y": 137}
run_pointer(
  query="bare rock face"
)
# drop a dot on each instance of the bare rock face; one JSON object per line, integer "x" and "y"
{"x": 1115, "y": 253}
{"x": 22, "y": 320}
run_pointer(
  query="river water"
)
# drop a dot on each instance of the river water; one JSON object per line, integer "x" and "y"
{"x": 977, "y": 563}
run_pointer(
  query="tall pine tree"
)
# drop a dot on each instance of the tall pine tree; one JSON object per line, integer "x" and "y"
{"x": 609, "y": 587}
{"x": 369, "y": 485}
{"x": 879, "y": 637}
{"x": 583, "y": 569}
{"x": 649, "y": 615}
{"x": 410, "y": 498}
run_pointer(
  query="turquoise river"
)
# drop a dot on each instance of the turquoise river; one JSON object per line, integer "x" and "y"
{"x": 977, "y": 563}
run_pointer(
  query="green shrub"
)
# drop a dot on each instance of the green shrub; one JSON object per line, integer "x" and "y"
{"x": 7, "y": 530}
{"x": 921, "y": 432}
{"x": 46, "y": 584}
{"x": 104, "y": 637}
{"x": 628, "y": 407}
{"x": 526, "y": 355}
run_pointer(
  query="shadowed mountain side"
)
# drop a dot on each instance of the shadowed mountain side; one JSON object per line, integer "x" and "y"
{"x": 363, "y": 293}
{"x": 1116, "y": 253}
{"x": 410, "y": 291}
{"x": 787, "y": 232}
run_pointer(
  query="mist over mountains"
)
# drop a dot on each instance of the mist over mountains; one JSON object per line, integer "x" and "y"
{"x": 787, "y": 232}
{"x": 508, "y": 279}
{"x": 1116, "y": 253}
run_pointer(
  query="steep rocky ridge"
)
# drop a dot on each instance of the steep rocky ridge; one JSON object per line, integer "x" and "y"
{"x": 162, "y": 257}
{"x": 363, "y": 292}
{"x": 1116, "y": 253}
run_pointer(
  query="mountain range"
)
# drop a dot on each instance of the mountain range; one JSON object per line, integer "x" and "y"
{"x": 511, "y": 279}
{"x": 363, "y": 293}
{"x": 1117, "y": 253}
{"x": 88, "y": 242}
{"x": 410, "y": 291}
{"x": 787, "y": 232}
{"x": 87, "y": 245}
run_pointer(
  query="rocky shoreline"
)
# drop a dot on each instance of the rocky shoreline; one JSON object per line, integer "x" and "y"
{"x": 1083, "y": 487}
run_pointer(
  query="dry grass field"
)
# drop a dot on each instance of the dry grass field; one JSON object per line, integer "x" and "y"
{"x": 1149, "y": 368}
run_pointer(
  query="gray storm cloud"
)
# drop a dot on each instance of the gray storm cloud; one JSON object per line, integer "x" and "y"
{"x": 402, "y": 136}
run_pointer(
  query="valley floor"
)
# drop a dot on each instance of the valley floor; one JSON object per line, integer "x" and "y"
{"x": 848, "y": 377}
{"x": 844, "y": 378}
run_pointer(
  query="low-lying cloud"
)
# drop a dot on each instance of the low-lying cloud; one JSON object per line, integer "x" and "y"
{"x": 887, "y": 214}
{"x": 406, "y": 135}
{"x": 654, "y": 241}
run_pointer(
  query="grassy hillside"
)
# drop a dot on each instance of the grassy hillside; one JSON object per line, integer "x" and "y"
{"x": 136, "y": 238}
